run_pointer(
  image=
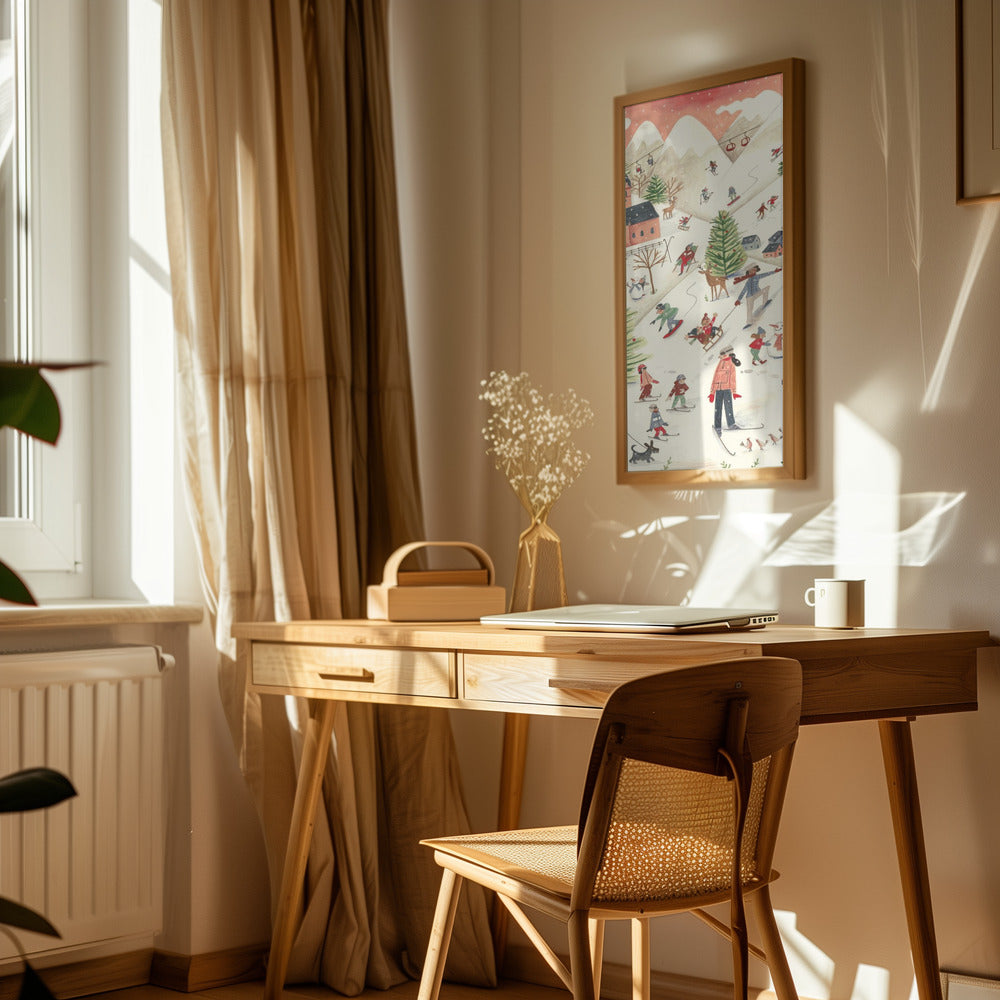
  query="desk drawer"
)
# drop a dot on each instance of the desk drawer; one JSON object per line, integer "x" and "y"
{"x": 580, "y": 682}
{"x": 428, "y": 673}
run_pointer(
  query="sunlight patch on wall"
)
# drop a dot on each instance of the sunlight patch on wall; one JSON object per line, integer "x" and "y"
{"x": 863, "y": 456}
{"x": 811, "y": 968}
{"x": 925, "y": 523}
{"x": 987, "y": 224}
{"x": 871, "y": 983}
{"x": 151, "y": 351}
{"x": 652, "y": 527}
{"x": 731, "y": 570}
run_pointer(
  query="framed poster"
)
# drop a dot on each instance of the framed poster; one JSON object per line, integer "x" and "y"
{"x": 977, "y": 45}
{"x": 709, "y": 274}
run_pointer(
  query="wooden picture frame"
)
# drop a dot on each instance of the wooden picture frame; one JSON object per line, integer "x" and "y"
{"x": 977, "y": 88}
{"x": 709, "y": 274}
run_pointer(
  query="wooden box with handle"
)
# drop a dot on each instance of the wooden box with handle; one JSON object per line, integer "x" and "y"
{"x": 443, "y": 595}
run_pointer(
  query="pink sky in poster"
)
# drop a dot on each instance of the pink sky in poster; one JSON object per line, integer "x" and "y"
{"x": 700, "y": 104}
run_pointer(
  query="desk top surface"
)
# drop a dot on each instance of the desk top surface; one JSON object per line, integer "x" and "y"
{"x": 799, "y": 641}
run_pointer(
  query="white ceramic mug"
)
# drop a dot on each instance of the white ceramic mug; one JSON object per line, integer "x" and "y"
{"x": 838, "y": 603}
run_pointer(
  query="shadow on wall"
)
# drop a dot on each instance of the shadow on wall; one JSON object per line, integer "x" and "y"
{"x": 883, "y": 117}
{"x": 718, "y": 558}
{"x": 731, "y": 556}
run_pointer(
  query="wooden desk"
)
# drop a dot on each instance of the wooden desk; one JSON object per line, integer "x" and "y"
{"x": 889, "y": 675}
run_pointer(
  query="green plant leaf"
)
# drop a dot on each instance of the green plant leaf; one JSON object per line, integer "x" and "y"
{"x": 27, "y": 402}
{"x": 34, "y": 788}
{"x": 32, "y": 987}
{"x": 15, "y": 915}
{"x": 12, "y": 587}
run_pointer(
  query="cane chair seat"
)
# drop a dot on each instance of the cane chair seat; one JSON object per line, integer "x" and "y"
{"x": 544, "y": 857}
{"x": 680, "y": 811}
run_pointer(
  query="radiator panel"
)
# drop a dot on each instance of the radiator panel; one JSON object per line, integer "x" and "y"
{"x": 93, "y": 865}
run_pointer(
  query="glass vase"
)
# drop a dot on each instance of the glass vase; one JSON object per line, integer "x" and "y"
{"x": 539, "y": 581}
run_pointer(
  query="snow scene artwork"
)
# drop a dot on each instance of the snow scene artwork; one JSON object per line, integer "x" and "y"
{"x": 709, "y": 300}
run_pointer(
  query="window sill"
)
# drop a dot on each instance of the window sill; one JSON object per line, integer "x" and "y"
{"x": 79, "y": 614}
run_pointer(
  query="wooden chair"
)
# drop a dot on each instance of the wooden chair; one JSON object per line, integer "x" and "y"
{"x": 680, "y": 810}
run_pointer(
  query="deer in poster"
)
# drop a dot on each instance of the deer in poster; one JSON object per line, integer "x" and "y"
{"x": 716, "y": 284}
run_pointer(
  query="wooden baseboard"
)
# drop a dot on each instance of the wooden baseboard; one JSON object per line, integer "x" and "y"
{"x": 191, "y": 973}
{"x": 93, "y": 975}
{"x": 183, "y": 973}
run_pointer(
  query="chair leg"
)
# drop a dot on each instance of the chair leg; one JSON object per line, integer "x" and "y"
{"x": 580, "y": 964}
{"x": 437, "y": 947}
{"x": 640, "y": 959}
{"x": 741, "y": 960}
{"x": 597, "y": 951}
{"x": 777, "y": 962}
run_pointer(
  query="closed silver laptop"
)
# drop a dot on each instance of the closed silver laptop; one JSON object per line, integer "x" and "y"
{"x": 655, "y": 618}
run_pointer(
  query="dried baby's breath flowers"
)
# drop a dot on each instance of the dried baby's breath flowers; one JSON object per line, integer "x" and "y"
{"x": 530, "y": 438}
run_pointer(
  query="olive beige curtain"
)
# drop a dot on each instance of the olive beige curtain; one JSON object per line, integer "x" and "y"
{"x": 299, "y": 455}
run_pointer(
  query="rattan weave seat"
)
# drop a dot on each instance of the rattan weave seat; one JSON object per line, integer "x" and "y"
{"x": 680, "y": 810}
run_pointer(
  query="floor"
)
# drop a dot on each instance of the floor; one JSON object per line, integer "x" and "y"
{"x": 408, "y": 991}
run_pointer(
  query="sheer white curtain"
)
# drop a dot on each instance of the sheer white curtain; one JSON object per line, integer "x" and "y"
{"x": 299, "y": 451}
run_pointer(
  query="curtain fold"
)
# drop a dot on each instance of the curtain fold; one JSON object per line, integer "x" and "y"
{"x": 299, "y": 447}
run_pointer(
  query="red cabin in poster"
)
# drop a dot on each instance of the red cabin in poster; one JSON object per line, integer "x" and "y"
{"x": 642, "y": 223}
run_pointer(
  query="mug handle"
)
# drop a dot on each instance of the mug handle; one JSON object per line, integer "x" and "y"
{"x": 811, "y": 591}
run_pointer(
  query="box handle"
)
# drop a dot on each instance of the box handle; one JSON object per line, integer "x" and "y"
{"x": 392, "y": 564}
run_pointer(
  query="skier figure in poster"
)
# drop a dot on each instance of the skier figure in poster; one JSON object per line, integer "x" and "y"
{"x": 646, "y": 382}
{"x": 657, "y": 425}
{"x": 677, "y": 391}
{"x": 733, "y": 196}
{"x": 762, "y": 211}
{"x": 713, "y": 167}
{"x": 665, "y": 314}
{"x": 756, "y": 344}
{"x": 753, "y": 291}
{"x": 723, "y": 389}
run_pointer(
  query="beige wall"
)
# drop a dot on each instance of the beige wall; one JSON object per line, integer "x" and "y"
{"x": 504, "y": 135}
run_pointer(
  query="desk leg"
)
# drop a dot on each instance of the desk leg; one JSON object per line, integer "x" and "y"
{"x": 515, "y": 745}
{"x": 315, "y": 746}
{"x": 901, "y": 780}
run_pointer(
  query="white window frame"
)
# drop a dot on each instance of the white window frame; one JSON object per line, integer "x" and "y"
{"x": 49, "y": 546}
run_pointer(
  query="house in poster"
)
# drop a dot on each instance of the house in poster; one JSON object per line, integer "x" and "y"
{"x": 642, "y": 223}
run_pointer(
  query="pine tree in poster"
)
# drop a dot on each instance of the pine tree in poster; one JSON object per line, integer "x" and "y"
{"x": 724, "y": 254}
{"x": 634, "y": 353}
{"x": 656, "y": 190}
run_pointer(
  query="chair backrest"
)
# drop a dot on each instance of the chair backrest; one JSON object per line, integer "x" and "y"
{"x": 686, "y": 780}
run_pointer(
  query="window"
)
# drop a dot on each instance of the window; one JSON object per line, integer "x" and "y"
{"x": 44, "y": 286}
{"x": 13, "y": 498}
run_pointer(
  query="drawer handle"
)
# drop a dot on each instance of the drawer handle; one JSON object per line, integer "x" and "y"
{"x": 349, "y": 674}
{"x": 579, "y": 684}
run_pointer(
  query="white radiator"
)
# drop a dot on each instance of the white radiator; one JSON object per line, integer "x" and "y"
{"x": 92, "y": 865}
